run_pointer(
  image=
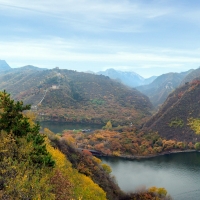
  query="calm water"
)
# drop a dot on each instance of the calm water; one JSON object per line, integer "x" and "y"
{"x": 178, "y": 173}
{"x": 58, "y": 127}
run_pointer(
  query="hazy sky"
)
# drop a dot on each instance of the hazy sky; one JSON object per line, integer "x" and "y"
{"x": 149, "y": 37}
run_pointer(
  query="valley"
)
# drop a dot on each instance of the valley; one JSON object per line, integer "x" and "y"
{"x": 122, "y": 121}
{"x": 99, "y": 100}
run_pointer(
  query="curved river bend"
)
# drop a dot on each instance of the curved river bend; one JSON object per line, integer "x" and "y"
{"x": 178, "y": 173}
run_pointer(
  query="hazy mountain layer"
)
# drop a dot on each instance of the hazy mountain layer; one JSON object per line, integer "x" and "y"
{"x": 130, "y": 79}
{"x": 194, "y": 74}
{"x": 4, "y": 66}
{"x": 162, "y": 86}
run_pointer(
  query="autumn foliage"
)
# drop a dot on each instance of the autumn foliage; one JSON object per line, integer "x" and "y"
{"x": 30, "y": 168}
{"x": 128, "y": 142}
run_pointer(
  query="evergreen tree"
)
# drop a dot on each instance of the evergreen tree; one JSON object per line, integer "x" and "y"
{"x": 13, "y": 121}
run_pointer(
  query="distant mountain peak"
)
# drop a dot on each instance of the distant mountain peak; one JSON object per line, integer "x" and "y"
{"x": 89, "y": 72}
{"x": 31, "y": 67}
{"x": 130, "y": 79}
{"x": 4, "y": 65}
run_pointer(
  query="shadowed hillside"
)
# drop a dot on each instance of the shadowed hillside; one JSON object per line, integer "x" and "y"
{"x": 178, "y": 116}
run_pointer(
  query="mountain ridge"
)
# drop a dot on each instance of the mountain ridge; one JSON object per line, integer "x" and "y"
{"x": 4, "y": 66}
{"x": 173, "y": 119}
{"x": 162, "y": 86}
{"x": 130, "y": 79}
{"x": 76, "y": 96}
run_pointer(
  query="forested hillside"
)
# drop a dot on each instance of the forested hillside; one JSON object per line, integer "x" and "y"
{"x": 66, "y": 95}
{"x": 36, "y": 165}
{"x": 195, "y": 74}
{"x": 178, "y": 118}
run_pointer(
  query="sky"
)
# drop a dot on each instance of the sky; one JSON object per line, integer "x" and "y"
{"x": 149, "y": 37}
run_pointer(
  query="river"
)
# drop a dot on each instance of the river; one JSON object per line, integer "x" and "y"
{"x": 58, "y": 127}
{"x": 178, "y": 173}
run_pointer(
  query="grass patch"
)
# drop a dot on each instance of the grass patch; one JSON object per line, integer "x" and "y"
{"x": 176, "y": 123}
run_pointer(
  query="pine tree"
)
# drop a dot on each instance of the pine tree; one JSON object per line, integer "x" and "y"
{"x": 13, "y": 121}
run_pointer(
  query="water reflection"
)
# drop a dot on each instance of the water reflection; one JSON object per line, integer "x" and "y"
{"x": 178, "y": 173}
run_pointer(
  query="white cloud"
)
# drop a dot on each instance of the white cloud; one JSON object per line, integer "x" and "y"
{"x": 60, "y": 50}
{"x": 91, "y": 12}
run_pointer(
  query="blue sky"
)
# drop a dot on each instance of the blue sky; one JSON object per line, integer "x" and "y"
{"x": 149, "y": 37}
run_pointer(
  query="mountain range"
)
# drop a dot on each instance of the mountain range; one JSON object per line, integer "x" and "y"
{"x": 157, "y": 88}
{"x": 130, "y": 79}
{"x": 162, "y": 86}
{"x": 67, "y": 95}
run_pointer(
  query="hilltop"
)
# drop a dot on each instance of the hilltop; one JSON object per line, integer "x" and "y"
{"x": 194, "y": 74}
{"x": 4, "y": 66}
{"x": 178, "y": 118}
{"x": 67, "y": 95}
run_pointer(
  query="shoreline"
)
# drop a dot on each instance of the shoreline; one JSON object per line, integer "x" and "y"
{"x": 150, "y": 156}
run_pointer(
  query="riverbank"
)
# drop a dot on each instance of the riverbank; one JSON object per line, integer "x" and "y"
{"x": 130, "y": 157}
{"x": 178, "y": 173}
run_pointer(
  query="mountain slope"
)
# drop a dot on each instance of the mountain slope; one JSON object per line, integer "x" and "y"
{"x": 4, "y": 66}
{"x": 130, "y": 79}
{"x": 162, "y": 86}
{"x": 173, "y": 121}
{"x": 194, "y": 74}
{"x": 72, "y": 96}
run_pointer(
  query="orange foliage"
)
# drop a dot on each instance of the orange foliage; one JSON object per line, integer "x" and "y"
{"x": 128, "y": 142}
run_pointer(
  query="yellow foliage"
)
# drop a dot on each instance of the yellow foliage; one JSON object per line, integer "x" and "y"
{"x": 97, "y": 160}
{"x": 70, "y": 139}
{"x": 153, "y": 189}
{"x": 161, "y": 192}
{"x": 50, "y": 134}
{"x": 107, "y": 168}
{"x": 108, "y": 125}
{"x": 194, "y": 125}
{"x": 82, "y": 186}
{"x": 31, "y": 116}
{"x": 22, "y": 180}
{"x": 116, "y": 153}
